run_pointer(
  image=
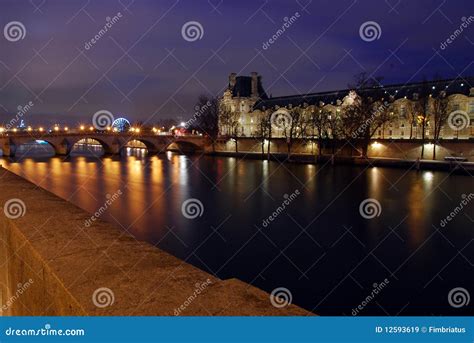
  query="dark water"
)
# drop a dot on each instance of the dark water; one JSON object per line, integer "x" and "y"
{"x": 319, "y": 247}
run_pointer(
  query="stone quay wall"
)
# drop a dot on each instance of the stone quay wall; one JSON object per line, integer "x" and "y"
{"x": 53, "y": 264}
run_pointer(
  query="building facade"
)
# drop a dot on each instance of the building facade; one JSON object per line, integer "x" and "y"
{"x": 246, "y": 99}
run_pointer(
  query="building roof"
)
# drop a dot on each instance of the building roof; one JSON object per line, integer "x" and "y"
{"x": 459, "y": 85}
{"x": 243, "y": 87}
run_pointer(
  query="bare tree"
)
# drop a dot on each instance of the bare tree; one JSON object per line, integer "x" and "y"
{"x": 295, "y": 127}
{"x": 422, "y": 107}
{"x": 263, "y": 132}
{"x": 320, "y": 123}
{"x": 230, "y": 123}
{"x": 440, "y": 116}
{"x": 206, "y": 117}
{"x": 368, "y": 112}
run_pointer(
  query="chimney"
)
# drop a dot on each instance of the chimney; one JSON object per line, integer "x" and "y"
{"x": 254, "y": 84}
{"x": 232, "y": 77}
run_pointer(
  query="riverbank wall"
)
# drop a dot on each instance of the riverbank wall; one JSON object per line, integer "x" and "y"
{"x": 389, "y": 153}
{"x": 54, "y": 263}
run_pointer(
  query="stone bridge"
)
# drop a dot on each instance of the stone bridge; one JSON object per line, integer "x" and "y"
{"x": 112, "y": 143}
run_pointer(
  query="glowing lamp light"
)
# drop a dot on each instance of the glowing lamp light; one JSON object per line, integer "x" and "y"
{"x": 56, "y": 128}
{"x": 41, "y": 129}
{"x": 66, "y": 129}
{"x": 376, "y": 145}
{"x": 29, "y": 128}
{"x": 91, "y": 128}
{"x": 2, "y": 130}
{"x": 81, "y": 128}
{"x": 15, "y": 130}
{"x": 182, "y": 124}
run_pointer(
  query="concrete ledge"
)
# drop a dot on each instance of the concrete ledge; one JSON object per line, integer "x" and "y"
{"x": 67, "y": 262}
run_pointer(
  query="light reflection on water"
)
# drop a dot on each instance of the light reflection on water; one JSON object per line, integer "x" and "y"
{"x": 319, "y": 247}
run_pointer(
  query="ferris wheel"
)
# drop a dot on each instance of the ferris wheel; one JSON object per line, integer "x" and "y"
{"x": 121, "y": 124}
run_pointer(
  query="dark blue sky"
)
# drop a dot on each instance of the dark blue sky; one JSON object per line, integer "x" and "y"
{"x": 142, "y": 67}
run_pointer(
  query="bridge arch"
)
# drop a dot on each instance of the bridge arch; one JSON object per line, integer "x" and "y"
{"x": 14, "y": 147}
{"x": 184, "y": 146}
{"x": 112, "y": 147}
{"x": 151, "y": 146}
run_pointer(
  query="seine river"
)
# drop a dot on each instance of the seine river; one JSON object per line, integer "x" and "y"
{"x": 403, "y": 261}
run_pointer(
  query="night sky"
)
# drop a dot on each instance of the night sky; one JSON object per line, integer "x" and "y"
{"x": 144, "y": 69}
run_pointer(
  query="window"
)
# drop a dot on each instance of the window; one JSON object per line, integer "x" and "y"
{"x": 471, "y": 107}
{"x": 402, "y": 134}
{"x": 455, "y": 107}
{"x": 390, "y": 132}
{"x": 403, "y": 111}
